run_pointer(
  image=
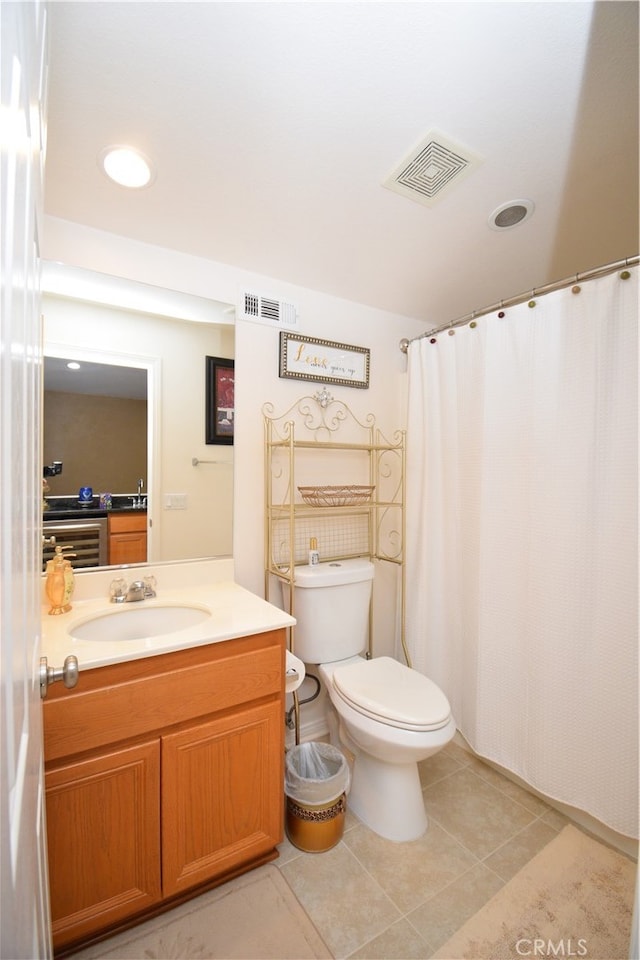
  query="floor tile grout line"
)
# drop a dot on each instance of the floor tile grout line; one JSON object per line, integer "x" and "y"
{"x": 395, "y": 906}
{"x": 451, "y": 883}
{"x": 399, "y": 920}
{"x": 371, "y": 877}
{"x": 424, "y": 940}
{"x": 444, "y": 776}
{"x": 479, "y": 765}
{"x": 455, "y": 839}
{"x": 432, "y": 819}
{"x": 534, "y": 816}
{"x": 404, "y": 915}
{"x": 518, "y": 832}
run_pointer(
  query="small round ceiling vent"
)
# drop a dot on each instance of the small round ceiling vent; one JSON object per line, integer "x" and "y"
{"x": 511, "y": 214}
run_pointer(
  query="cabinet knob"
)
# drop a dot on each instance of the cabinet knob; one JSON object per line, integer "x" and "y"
{"x": 68, "y": 673}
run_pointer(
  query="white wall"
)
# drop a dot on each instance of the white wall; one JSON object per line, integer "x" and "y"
{"x": 256, "y": 358}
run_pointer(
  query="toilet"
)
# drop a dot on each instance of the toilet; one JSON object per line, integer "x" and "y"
{"x": 387, "y": 715}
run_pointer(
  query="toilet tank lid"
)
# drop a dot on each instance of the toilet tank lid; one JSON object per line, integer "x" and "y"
{"x": 332, "y": 573}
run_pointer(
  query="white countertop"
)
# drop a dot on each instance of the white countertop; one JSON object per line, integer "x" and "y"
{"x": 234, "y": 612}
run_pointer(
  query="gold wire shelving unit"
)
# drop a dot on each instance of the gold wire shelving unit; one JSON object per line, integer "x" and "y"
{"x": 317, "y": 441}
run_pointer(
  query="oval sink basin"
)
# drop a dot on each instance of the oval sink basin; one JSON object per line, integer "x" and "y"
{"x": 139, "y": 623}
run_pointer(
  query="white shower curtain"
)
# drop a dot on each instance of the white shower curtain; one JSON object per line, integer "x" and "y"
{"x": 522, "y": 552}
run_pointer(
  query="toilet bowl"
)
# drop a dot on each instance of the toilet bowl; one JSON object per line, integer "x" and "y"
{"x": 387, "y": 728}
{"x": 388, "y": 716}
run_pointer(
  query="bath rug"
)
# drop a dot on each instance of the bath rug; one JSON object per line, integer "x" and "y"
{"x": 573, "y": 899}
{"x": 254, "y": 917}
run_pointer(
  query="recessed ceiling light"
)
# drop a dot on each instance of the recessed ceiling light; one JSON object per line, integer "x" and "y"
{"x": 72, "y": 365}
{"x": 511, "y": 214}
{"x": 126, "y": 166}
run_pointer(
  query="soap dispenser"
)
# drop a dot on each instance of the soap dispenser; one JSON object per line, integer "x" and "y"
{"x": 60, "y": 581}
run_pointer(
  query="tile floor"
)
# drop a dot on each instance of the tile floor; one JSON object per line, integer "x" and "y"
{"x": 373, "y": 899}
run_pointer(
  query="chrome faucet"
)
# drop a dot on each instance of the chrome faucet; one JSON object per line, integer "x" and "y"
{"x": 141, "y": 589}
{"x": 119, "y": 592}
{"x": 135, "y": 592}
{"x": 136, "y": 502}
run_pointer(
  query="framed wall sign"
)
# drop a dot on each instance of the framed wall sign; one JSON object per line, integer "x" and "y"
{"x": 307, "y": 358}
{"x": 220, "y": 400}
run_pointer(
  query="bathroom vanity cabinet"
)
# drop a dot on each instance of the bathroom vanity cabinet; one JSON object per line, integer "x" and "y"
{"x": 164, "y": 776}
{"x": 127, "y": 538}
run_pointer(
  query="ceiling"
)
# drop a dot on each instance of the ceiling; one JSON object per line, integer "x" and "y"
{"x": 98, "y": 379}
{"x": 272, "y": 127}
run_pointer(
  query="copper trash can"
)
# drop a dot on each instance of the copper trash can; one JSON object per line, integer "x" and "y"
{"x": 317, "y": 780}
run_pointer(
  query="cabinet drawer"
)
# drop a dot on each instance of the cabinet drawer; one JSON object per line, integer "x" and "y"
{"x": 127, "y": 522}
{"x": 126, "y": 700}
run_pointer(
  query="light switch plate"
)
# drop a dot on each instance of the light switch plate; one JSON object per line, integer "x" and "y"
{"x": 175, "y": 501}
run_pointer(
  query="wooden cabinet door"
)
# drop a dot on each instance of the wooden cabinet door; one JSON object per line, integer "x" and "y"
{"x": 222, "y": 794}
{"x": 127, "y": 548}
{"x": 103, "y": 834}
{"x": 127, "y": 538}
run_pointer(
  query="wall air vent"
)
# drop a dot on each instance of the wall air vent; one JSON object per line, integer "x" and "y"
{"x": 268, "y": 310}
{"x": 435, "y": 166}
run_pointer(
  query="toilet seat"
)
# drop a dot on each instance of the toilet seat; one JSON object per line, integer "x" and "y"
{"x": 391, "y": 693}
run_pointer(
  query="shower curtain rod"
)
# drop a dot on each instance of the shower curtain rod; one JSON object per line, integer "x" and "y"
{"x": 536, "y": 292}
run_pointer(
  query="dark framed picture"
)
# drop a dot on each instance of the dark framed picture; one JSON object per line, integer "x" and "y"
{"x": 220, "y": 400}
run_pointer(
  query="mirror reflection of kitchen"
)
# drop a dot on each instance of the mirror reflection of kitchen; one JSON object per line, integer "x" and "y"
{"x": 95, "y": 457}
{"x": 130, "y": 422}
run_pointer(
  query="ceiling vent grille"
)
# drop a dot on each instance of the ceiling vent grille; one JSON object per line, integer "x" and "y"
{"x": 435, "y": 166}
{"x": 268, "y": 310}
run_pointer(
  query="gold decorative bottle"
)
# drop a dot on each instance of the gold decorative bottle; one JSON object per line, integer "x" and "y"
{"x": 60, "y": 582}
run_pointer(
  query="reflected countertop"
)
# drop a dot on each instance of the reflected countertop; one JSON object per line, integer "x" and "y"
{"x": 234, "y": 612}
{"x": 70, "y": 508}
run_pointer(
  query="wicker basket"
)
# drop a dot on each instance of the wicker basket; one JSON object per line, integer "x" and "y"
{"x": 343, "y": 496}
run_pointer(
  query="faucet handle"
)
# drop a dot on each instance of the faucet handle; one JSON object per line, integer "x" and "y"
{"x": 118, "y": 590}
{"x": 150, "y": 585}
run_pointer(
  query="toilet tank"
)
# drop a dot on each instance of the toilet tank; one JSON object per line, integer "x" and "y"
{"x": 331, "y": 607}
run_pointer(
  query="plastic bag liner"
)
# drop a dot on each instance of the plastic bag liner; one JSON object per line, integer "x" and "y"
{"x": 316, "y": 773}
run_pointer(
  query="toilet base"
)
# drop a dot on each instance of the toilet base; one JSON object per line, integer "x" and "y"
{"x": 386, "y": 793}
{"x": 387, "y": 798}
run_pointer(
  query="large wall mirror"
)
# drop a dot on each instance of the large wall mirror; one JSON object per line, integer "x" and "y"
{"x": 129, "y": 420}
